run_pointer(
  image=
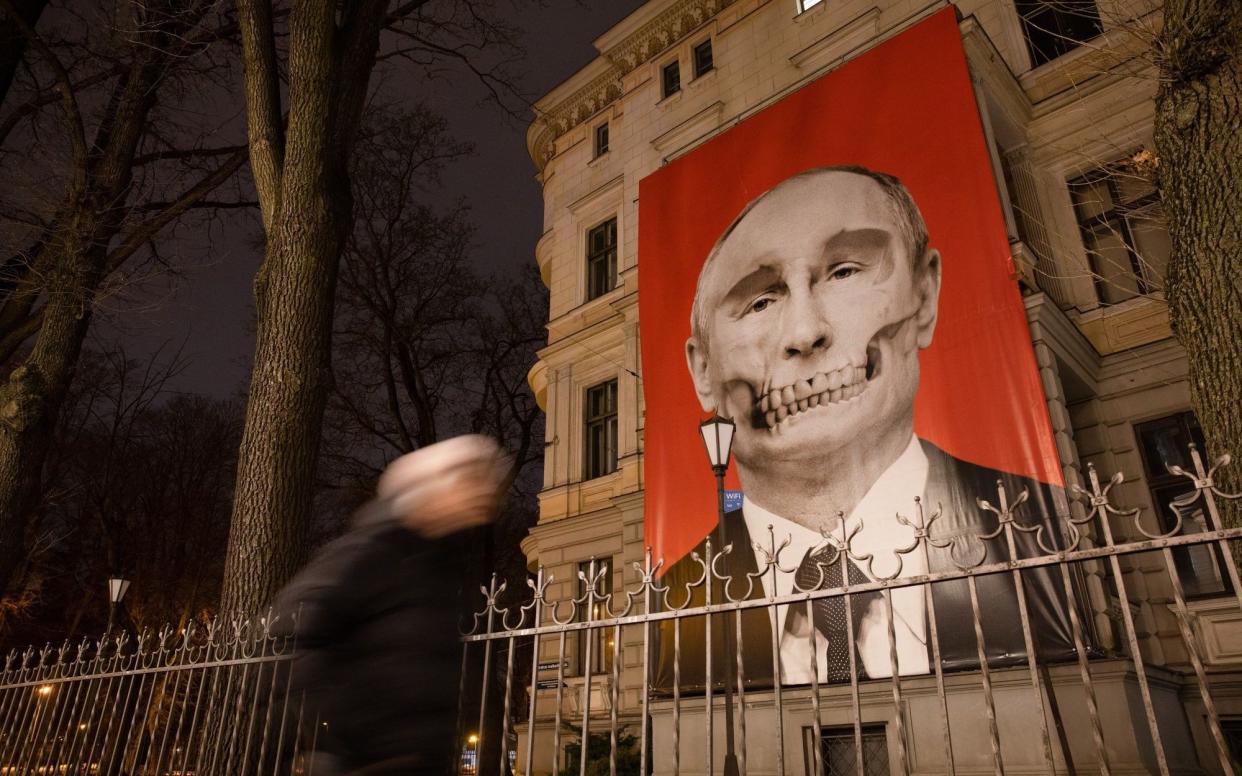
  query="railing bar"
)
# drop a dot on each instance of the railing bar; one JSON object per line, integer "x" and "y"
{"x": 88, "y": 740}
{"x": 238, "y": 716}
{"x": 296, "y": 750}
{"x": 816, "y": 721}
{"x": 486, "y": 678}
{"x": 284, "y": 722}
{"x": 26, "y": 703}
{"x": 1132, "y": 640}
{"x": 35, "y": 732}
{"x": 504, "y": 718}
{"x": 709, "y": 676}
{"x": 616, "y": 681}
{"x": 898, "y": 718}
{"x": 534, "y": 678}
{"x": 118, "y": 714}
{"x": 645, "y": 739}
{"x": 8, "y": 707}
{"x": 1084, "y": 671}
{"x": 560, "y": 702}
{"x": 1192, "y": 648}
{"x": 217, "y": 706}
{"x": 172, "y": 710}
{"x": 1027, "y": 639}
{"x": 741, "y": 696}
{"x": 99, "y": 736}
{"x": 776, "y": 689}
{"x": 986, "y": 675}
{"x": 934, "y": 636}
{"x": 126, "y": 731}
{"x": 855, "y": 704}
{"x": 677, "y": 697}
{"x": 254, "y": 713}
{"x": 146, "y": 717}
{"x": 198, "y": 705}
{"x": 65, "y": 709}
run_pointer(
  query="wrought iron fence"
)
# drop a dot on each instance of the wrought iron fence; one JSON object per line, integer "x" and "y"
{"x": 955, "y": 716}
{"x": 205, "y": 700}
{"x": 215, "y": 700}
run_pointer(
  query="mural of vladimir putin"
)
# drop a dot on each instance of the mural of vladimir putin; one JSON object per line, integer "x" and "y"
{"x": 808, "y": 320}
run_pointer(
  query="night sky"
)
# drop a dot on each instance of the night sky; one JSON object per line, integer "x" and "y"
{"x": 208, "y": 309}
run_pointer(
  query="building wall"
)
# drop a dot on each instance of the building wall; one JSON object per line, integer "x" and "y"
{"x": 1104, "y": 367}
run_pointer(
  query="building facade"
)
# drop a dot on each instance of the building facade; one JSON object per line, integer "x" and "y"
{"x": 1065, "y": 91}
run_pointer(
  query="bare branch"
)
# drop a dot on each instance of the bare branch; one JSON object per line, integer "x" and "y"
{"x": 148, "y": 229}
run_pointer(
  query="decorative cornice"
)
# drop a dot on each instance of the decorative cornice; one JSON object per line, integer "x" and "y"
{"x": 646, "y": 42}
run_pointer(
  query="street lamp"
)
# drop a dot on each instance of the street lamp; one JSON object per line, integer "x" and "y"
{"x": 717, "y": 433}
{"x": 117, "y": 588}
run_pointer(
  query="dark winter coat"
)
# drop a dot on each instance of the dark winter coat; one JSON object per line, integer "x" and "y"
{"x": 377, "y": 646}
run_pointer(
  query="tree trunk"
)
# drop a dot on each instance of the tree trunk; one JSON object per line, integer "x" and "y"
{"x": 1198, "y": 135}
{"x": 308, "y": 211}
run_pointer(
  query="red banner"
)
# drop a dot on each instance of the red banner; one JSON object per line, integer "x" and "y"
{"x": 819, "y": 324}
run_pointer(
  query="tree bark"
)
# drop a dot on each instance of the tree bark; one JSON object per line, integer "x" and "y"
{"x": 305, "y": 196}
{"x": 1198, "y": 137}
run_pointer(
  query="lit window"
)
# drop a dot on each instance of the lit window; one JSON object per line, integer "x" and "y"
{"x": 601, "y": 139}
{"x": 601, "y": 430}
{"x": 599, "y": 639}
{"x": 602, "y": 259}
{"x": 670, "y": 78}
{"x": 1056, "y": 27}
{"x": 805, "y": 4}
{"x": 1123, "y": 231}
{"x": 703, "y": 58}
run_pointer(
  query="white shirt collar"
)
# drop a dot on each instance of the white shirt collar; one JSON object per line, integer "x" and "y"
{"x": 891, "y": 494}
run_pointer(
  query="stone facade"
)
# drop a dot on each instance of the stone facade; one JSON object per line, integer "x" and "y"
{"x": 1104, "y": 367}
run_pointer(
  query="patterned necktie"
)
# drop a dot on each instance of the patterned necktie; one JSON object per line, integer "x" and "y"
{"x": 830, "y": 612}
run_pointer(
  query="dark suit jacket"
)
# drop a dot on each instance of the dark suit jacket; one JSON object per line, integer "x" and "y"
{"x": 953, "y": 486}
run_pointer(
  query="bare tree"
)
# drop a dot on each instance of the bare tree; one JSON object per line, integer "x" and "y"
{"x": 99, "y": 181}
{"x": 301, "y": 151}
{"x": 1199, "y": 144}
{"x": 137, "y": 485}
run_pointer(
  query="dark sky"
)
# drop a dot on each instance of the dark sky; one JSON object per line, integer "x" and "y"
{"x": 207, "y": 310}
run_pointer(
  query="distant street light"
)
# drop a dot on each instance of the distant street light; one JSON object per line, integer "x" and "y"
{"x": 717, "y": 433}
{"x": 117, "y": 588}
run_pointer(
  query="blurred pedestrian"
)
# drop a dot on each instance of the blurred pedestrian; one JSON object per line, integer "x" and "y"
{"x": 376, "y": 624}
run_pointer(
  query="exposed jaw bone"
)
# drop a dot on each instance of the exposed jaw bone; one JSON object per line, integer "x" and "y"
{"x": 777, "y": 405}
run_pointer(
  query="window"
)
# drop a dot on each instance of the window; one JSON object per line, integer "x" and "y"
{"x": 807, "y": 4}
{"x": 602, "y": 259}
{"x": 670, "y": 78}
{"x": 1123, "y": 230}
{"x": 1164, "y": 443}
{"x": 1056, "y": 27}
{"x": 599, "y": 640}
{"x": 703, "y": 58}
{"x": 601, "y": 430}
{"x": 601, "y": 139}
{"x": 839, "y": 753}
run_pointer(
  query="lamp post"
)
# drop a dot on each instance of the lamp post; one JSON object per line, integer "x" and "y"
{"x": 117, "y": 588}
{"x": 717, "y": 433}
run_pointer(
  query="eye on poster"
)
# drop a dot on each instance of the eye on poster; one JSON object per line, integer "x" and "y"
{"x": 833, "y": 275}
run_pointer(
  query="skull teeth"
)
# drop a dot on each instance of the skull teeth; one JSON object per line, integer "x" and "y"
{"x": 834, "y": 387}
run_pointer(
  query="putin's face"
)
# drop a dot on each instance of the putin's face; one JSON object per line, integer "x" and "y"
{"x": 813, "y": 317}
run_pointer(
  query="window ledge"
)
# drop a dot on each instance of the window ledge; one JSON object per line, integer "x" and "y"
{"x": 705, "y": 78}
{"x": 597, "y": 160}
{"x": 672, "y": 98}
